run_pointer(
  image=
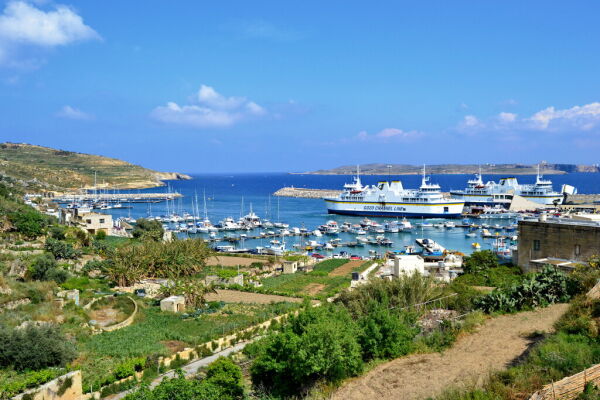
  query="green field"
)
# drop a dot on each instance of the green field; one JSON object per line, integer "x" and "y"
{"x": 317, "y": 283}
{"x": 100, "y": 354}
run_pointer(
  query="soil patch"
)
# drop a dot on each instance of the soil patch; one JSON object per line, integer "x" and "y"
{"x": 236, "y": 296}
{"x": 495, "y": 346}
{"x": 228, "y": 261}
{"x": 313, "y": 289}
{"x": 174, "y": 346}
{"x": 346, "y": 268}
{"x": 105, "y": 316}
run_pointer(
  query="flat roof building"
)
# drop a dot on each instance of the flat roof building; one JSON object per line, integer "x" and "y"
{"x": 563, "y": 242}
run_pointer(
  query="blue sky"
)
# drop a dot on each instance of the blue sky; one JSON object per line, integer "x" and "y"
{"x": 294, "y": 86}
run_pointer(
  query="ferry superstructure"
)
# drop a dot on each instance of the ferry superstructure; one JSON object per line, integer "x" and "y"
{"x": 502, "y": 192}
{"x": 391, "y": 199}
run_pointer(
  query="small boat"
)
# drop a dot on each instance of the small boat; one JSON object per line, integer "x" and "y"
{"x": 476, "y": 245}
{"x": 471, "y": 234}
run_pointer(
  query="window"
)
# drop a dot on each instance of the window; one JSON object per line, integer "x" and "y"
{"x": 445, "y": 209}
{"x": 101, "y": 220}
{"x": 88, "y": 221}
{"x": 536, "y": 245}
{"x": 577, "y": 250}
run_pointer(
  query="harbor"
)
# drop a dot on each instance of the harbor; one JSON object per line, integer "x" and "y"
{"x": 254, "y": 214}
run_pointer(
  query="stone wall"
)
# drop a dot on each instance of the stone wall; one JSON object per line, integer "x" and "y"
{"x": 65, "y": 387}
{"x": 557, "y": 241}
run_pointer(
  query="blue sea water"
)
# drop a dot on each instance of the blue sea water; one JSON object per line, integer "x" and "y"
{"x": 224, "y": 193}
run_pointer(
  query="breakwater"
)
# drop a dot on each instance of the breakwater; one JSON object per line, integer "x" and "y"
{"x": 117, "y": 197}
{"x": 306, "y": 193}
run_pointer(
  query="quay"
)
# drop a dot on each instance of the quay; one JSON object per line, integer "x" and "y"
{"x": 306, "y": 193}
{"x": 117, "y": 197}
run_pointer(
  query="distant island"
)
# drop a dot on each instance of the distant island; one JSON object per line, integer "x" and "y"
{"x": 60, "y": 170}
{"x": 504, "y": 169}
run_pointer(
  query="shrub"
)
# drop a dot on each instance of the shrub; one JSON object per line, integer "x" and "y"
{"x": 146, "y": 229}
{"x": 319, "y": 343}
{"x": 537, "y": 290}
{"x": 44, "y": 268}
{"x": 227, "y": 376}
{"x": 34, "y": 348}
{"x": 385, "y": 333}
{"x": 100, "y": 235}
{"x": 30, "y": 223}
{"x": 480, "y": 261}
{"x": 61, "y": 249}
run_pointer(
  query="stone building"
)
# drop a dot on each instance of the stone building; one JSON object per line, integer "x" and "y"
{"x": 563, "y": 242}
{"x": 91, "y": 222}
{"x": 173, "y": 304}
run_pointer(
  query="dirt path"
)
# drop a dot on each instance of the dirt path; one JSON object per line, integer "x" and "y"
{"x": 493, "y": 347}
{"x": 346, "y": 268}
{"x": 236, "y": 296}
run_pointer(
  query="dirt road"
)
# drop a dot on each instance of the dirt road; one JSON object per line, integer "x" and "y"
{"x": 493, "y": 347}
{"x": 236, "y": 296}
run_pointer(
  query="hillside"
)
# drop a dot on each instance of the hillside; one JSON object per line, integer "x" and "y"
{"x": 44, "y": 167}
{"x": 506, "y": 169}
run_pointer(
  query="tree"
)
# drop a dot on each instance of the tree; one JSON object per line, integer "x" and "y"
{"x": 44, "y": 268}
{"x": 34, "y": 348}
{"x": 30, "y": 223}
{"x": 226, "y": 375}
{"x": 480, "y": 262}
{"x": 320, "y": 343}
{"x": 126, "y": 265}
{"x": 146, "y": 229}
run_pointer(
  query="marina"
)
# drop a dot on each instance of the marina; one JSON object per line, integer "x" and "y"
{"x": 242, "y": 213}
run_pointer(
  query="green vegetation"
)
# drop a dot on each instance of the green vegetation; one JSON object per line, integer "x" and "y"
{"x": 536, "y": 290}
{"x": 223, "y": 381}
{"x": 34, "y": 348}
{"x": 146, "y": 229}
{"x": 45, "y": 268}
{"x": 330, "y": 343}
{"x": 176, "y": 259}
{"x": 482, "y": 269}
{"x": 317, "y": 283}
{"x": 573, "y": 348}
{"x": 29, "y": 223}
{"x": 100, "y": 354}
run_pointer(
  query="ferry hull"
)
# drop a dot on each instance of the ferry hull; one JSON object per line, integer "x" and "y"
{"x": 442, "y": 210}
{"x": 478, "y": 200}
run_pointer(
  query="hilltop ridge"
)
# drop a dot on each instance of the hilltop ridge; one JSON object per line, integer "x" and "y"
{"x": 54, "y": 169}
{"x": 406, "y": 169}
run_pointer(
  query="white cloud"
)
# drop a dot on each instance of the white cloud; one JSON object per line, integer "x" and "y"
{"x": 22, "y": 25}
{"x": 470, "y": 120}
{"x": 389, "y": 134}
{"x": 73, "y": 113}
{"x": 507, "y": 117}
{"x": 575, "y": 119}
{"x": 583, "y": 117}
{"x": 210, "y": 109}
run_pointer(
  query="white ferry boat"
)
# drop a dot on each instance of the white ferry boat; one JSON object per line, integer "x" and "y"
{"x": 501, "y": 193}
{"x": 391, "y": 199}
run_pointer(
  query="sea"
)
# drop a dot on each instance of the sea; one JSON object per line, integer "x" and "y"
{"x": 233, "y": 195}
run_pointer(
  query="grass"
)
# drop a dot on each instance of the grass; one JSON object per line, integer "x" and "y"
{"x": 101, "y": 353}
{"x": 329, "y": 265}
{"x": 298, "y": 283}
{"x": 501, "y": 276}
